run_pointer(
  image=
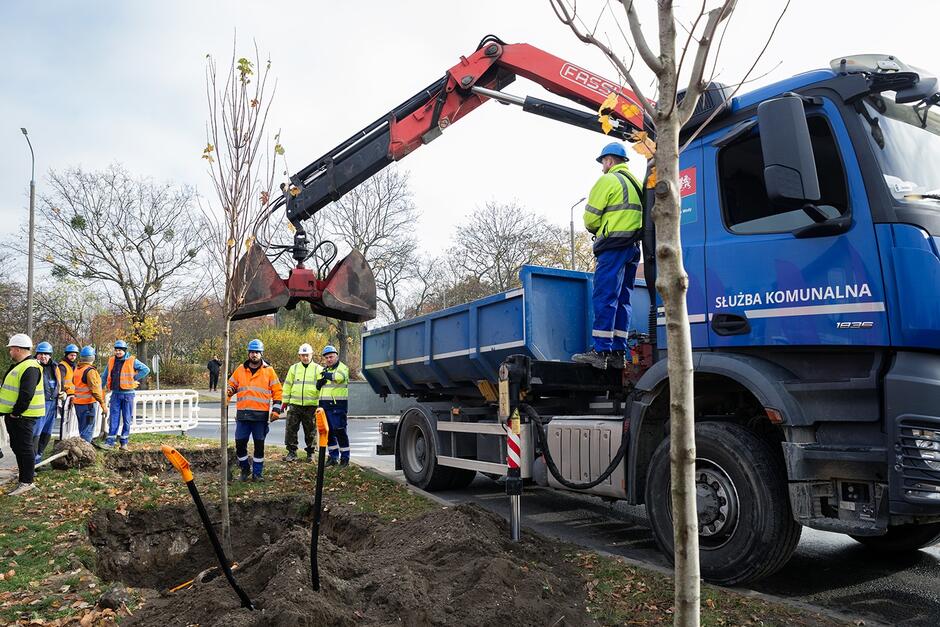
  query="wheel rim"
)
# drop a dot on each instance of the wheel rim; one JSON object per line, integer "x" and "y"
{"x": 717, "y": 504}
{"x": 416, "y": 449}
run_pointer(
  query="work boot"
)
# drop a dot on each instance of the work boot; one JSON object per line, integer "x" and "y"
{"x": 592, "y": 357}
{"x": 22, "y": 489}
{"x": 108, "y": 445}
{"x": 257, "y": 479}
{"x": 616, "y": 360}
{"x": 124, "y": 446}
{"x": 330, "y": 461}
{"x": 245, "y": 474}
{"x": 343, "y": 463}
{"x": 309, "y": 456}
{"x": 291, "y": 456}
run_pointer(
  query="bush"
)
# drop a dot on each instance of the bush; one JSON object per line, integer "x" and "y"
{"x": 176, "y": 372}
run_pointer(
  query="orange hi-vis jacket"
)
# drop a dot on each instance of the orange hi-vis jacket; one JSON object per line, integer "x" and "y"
{"x": 67, "y": 374}
{"x": 87, "y": 385}
{"x": 127, "y": 374}
{"x": 258, "y": 392}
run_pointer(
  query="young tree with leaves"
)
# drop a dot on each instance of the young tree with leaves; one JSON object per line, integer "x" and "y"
{"x": 243, "y": 166}
{"x": 669, "y": 113}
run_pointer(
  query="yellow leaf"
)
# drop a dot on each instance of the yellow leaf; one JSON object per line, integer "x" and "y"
{"x": 651, "y": 179}
{"x": 646, "y": 148}
{"x": 249, "y": 242}
{"x": 606, "y": 126}
{"x": 230, "y": 242}
{"x": 290, "y": 227}
{"x": 629, "y": 110}
{"x": 278, "y": 149}
{"x": 609, "y": 103}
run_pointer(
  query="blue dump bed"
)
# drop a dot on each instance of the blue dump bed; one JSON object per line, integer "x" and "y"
{"x": 548, "y": 318}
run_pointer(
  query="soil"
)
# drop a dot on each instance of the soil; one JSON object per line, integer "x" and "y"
{"x": 80, "y": 454}
{"x": 155, "y": 462}
{"x": 453, "y": 566}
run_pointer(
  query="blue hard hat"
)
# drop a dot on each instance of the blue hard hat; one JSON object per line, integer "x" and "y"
{"x": 71, "y": 348}
{"x": 256, "y": 345}
{"x": 120, "y": 344}
{"x": 614, "y": 149}
{"x": 44, "y": 347}
{"x": 87, "y": 351}
{"x": 329, "y": 348}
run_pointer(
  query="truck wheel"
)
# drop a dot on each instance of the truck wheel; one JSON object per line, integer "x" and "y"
{"x": 746, "y": 527}
{"x": 417, "y": 449}
{"x": 903, "y": 538}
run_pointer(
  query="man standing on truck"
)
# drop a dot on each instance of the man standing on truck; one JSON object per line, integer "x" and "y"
{"x": 122, "y": 376}
{"x": 334, "y": 399}
{"x": 614, "y": 215}
{"x": 300, "y": 402}
{"x": 259, "y": 398}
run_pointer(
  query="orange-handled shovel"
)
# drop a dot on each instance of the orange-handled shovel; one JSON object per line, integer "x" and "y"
{"x": 323, "y": 431}
{"x": 179, "y": 462}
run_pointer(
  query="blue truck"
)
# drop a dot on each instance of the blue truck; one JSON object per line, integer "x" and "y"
{"x": 811, "y": 236}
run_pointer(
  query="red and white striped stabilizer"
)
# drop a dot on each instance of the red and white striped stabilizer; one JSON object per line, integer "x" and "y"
{"x": 513, "y": 448}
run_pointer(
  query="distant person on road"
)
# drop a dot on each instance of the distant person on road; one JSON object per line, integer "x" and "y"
{"x": 259, "y": 399}
{"x": 87, "y": 392}
{"x": 52, "y": 390}
{"x": 21, "y": 404}
{"x": 334, "y": 399}
{"x": 122, "y": 376}
{"x": 214, "y": 366}
{"x": 300, "y": 402}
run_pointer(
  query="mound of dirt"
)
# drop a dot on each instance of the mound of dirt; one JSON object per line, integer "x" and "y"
{"x": 80, "y": 454}
{"x": 154, "y": 462}
{"x": 448, "y": 567}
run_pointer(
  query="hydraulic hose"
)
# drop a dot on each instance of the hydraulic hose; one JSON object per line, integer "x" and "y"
{"x": 550, "y": 463}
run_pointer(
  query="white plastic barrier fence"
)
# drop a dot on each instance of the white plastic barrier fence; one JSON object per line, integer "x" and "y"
{"x": 154, "y": 411}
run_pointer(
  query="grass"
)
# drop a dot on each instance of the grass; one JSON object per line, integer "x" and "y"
{"x": 47, "y": 563}
{"x": 46, "y": 559}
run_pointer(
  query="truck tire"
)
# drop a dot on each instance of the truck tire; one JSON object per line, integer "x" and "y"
{"x": 746, "y": 527}
{"x": 902, "y": 539}
{"x": 417, "y": 449}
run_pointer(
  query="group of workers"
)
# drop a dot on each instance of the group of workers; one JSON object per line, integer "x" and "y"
{"x": 261, "y": 399}
{"x": 37, "y": 390}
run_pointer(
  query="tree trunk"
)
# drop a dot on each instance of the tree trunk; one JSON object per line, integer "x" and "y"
{"x": 342, "y": 338}
{"x": 672, "y": 283}
{"x": 223, "y": 462}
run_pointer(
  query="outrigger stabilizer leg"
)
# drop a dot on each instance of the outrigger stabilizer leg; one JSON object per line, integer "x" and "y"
{"x": 323, "y": 432}
{"x": 179, "y": 462}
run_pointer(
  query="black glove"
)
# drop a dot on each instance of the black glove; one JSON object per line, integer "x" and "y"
{"x": 320, "y": 383}
{"x": 327, "y": 375}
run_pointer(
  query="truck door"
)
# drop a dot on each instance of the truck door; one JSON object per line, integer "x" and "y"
{"x": 769, "y": 284}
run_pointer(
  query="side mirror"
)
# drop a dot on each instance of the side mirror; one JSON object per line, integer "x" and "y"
{"x": 789, "y": 165}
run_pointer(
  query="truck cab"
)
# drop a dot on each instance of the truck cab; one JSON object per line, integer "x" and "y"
{"x": 811, "y": 237}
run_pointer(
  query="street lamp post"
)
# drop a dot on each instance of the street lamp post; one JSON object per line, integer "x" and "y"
{"x": 571, "y": 212}
{"x": 32, "y": 226}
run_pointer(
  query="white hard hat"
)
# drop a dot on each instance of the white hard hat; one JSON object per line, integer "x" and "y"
{"x": 20, "y": 340}
{"x": 305, "y": 349}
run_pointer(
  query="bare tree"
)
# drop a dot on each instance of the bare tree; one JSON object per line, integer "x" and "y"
{"x": 669, "y": 113}
{"x": 242, "y": 165}
{"x": 131, "y": 237}
{"x": 378, "y": 218}
{"x": 496, "y": 241}
{"x": 66, "y": 310}
{"x": 556, "y": 249}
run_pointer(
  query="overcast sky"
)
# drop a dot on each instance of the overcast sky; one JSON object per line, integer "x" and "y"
{"x": 103, "y": 82}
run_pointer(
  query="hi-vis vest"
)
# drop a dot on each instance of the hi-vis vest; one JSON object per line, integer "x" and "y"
{"x": 338, "y": 388}
{"x": 614, "y": 210}
{"x": 256, "y": 392}
{"x": 83, "y": 394}
{"x": 68, "y": 384}
{"x": 300, "y": 384}
{"x": 11, "y": 390}
{"x": 127, "y": 381}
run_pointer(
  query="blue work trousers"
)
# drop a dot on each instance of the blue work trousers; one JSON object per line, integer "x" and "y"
{"x": 120, "y": 410}
{"x": 614, "y": 277}
{"x": 86, "y": 420}
{"x": 44, "y": 424}
{"x": 256, "y": 430}
{"x": 338, "y": 442}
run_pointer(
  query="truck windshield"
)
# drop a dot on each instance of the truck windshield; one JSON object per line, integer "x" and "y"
{"x": 906, "y": 140}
